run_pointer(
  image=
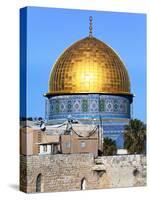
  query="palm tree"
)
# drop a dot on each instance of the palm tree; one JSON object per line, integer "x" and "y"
{"x": 135, "y": 136}
{"x": 109, "y": 147}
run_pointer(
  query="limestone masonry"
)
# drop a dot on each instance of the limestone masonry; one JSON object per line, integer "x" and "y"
{"x": 72, "y": 172}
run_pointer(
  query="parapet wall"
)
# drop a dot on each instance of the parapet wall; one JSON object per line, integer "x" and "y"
{"x": 66, "y": 172}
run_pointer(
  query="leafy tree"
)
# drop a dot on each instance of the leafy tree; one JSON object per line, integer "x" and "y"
{"x": 135, "y": 136}
{"x": 109, "y": 147}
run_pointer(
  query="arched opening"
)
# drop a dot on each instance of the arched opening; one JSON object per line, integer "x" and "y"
{"x": 83, "y": 184}
{"x": 38, "y": 183}
{"x": 136, "y": 172}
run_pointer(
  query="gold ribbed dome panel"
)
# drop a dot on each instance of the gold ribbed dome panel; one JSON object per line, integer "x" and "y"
{"x": 89, "y": 66}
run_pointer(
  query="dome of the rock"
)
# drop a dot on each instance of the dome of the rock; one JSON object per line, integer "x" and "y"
{"x": 89, "y": 83}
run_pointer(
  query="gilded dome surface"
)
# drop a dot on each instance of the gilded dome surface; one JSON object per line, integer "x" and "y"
{"x": 89, "y": 66}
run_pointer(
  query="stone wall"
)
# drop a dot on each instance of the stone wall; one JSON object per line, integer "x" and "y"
{"x": 124, "y": 170}
{"x": 63, "y": 172}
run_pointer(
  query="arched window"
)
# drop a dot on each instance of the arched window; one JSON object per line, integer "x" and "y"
{"x": 136, "y": 172}
{"x": 83, "y": 184}
{"x": 38, "y": 183}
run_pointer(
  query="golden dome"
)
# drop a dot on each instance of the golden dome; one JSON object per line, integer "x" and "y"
{"x": 89, "y": 66}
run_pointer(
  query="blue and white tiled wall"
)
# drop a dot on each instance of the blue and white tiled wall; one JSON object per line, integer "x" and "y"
{"x": 87, "y": 106}
{"x": 110, "y": 108}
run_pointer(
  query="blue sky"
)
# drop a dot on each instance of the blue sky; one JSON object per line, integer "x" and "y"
{"x": 50, "y": 31}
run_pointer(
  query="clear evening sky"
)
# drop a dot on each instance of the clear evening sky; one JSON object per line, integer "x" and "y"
{"x": 50, "y": 31}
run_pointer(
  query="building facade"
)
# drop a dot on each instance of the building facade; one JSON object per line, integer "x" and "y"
{"x": 89, "y": 83}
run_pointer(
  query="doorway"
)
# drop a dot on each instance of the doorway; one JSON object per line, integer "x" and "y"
{"x": 83, "y": 184}
{"x": 38, "y": 183}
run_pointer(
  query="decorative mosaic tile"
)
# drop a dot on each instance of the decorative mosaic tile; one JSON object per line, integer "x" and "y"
{"x": 91, "y": 104}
